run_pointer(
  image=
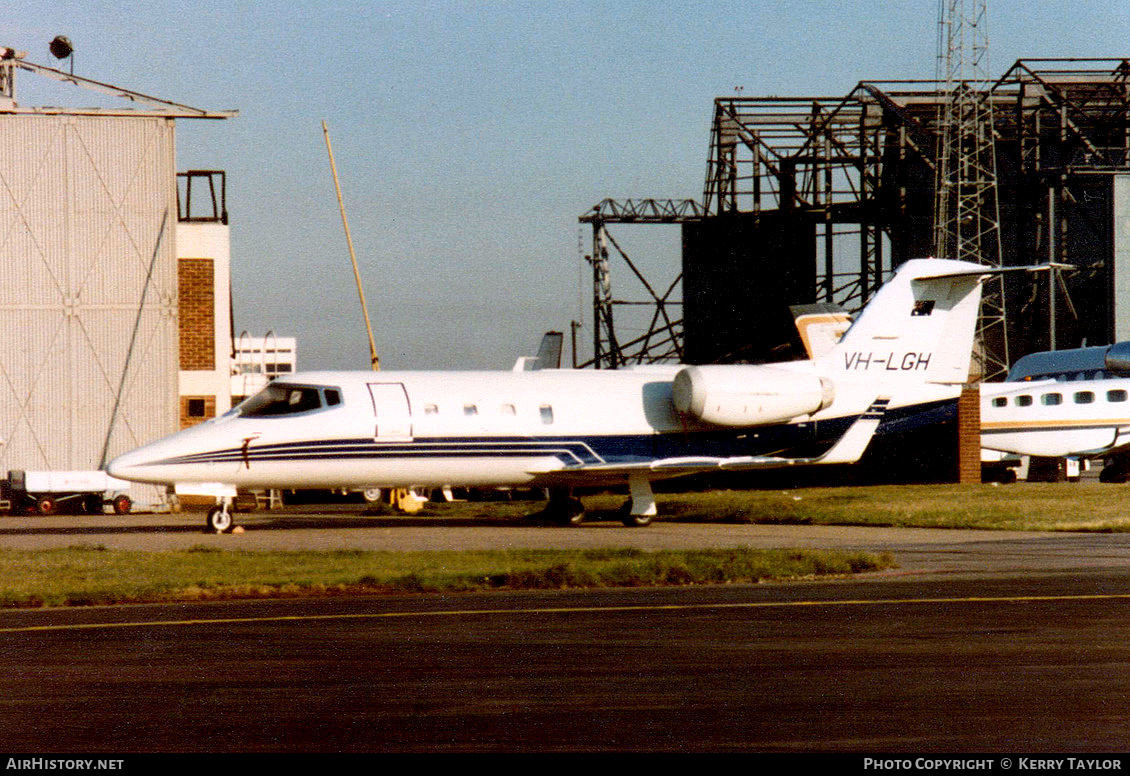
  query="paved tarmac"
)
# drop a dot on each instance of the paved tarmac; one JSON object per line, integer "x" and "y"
{"x": 917, "y": 550}
{"x": 874, "y": 665}
{"x": 980, "y": 641}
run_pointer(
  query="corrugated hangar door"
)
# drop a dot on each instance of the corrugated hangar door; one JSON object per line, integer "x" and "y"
{"x": 88, "y": 303}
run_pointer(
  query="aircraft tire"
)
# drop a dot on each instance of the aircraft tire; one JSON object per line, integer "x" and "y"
{"x": 570, "y": 511}
{"x": 219, "y": 520}
{"x": 630, "y": 520}
{"x": 563, "y": 508}
{"x": 636, "y": 521}
{"x": 1115, "y": 474}
{"x": 571, "y": 518}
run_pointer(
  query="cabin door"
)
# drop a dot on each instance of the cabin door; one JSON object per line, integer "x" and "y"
{"x": 392, "y": 412}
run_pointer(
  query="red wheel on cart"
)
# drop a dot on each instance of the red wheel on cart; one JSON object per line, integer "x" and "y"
{"x": 47, "y": 505}
{"x": 122, "y": 505}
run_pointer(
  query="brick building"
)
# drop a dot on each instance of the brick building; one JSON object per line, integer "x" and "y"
{"x": 204, "y": 322}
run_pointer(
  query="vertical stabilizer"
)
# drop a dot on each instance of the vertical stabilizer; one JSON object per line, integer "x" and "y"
{"x": 548, "y": 357}
{"x": 919, "y": 327}
{"x": 549, "y": 352}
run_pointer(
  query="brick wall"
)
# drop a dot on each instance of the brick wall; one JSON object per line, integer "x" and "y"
{"x": 196, "y": 409}
{"x": 969, "y": 435}
{"x": 197, "y": 298}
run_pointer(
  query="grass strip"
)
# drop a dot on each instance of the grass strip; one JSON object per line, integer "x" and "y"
{"x": 1083, "y": 506}
{"x": 1026, "y": 506}
{"x": 77, "y": 576}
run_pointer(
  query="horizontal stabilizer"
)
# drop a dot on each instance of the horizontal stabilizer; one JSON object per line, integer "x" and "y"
{"x": 987, "y": 271}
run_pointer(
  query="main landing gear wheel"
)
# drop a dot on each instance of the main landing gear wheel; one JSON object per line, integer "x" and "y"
{"x": 562, "y": 509}
{"x": 572, "y": 512}
{"x": 219, "y": 519}
{"x": 636, "y": 521}
{"x": 624, "y": 514}
{"x": 639, "y": 510}
{"x": 565, "y": 509}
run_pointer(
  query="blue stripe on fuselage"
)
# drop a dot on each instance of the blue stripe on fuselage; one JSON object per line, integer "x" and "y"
{"x": 793, "y": 439}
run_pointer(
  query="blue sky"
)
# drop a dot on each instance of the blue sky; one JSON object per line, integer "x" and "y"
{"x": 469, "y": 136}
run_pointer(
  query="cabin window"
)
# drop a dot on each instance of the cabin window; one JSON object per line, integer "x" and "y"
{"x": 470, "y": 410}
{"x": 922, "y": 307}
{"x": 508, "y": 409}
{"x": 1051, "y": 399}
{"x": 546, "y": 414}
{"x": 281, "y": 399}
{"x": 333, "y": 397}
{"x": 1024, "y": 400}
{"x": 431, "y": 409}
{"x": 1084, "y": 397}
{"x": 1000, "y": 401}
{"x": 1116, "y": 395}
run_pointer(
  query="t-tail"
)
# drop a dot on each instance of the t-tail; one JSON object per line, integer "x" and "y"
{"x": 918, "y": 328}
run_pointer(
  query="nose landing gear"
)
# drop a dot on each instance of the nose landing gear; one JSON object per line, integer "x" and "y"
{"x": 219, "y": 519}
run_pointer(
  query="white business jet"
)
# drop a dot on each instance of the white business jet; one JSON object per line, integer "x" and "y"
{"x": 908, "y": 350}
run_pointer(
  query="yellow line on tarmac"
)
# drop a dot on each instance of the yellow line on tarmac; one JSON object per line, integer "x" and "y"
{"x": 565, "y": 610}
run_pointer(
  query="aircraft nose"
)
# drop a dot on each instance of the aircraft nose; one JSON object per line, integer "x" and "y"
{"x": 142, "y": 464}
{"x": 127, "y": 466}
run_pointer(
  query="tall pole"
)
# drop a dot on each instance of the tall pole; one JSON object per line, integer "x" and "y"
{"x": 373, "y": 358}
{"x": 967, "y": 214}
{"x": 1052, "y": 251}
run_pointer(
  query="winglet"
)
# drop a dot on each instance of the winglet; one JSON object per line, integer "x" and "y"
{"x": 853, "y": 444}
{"x": 849, "y": 448}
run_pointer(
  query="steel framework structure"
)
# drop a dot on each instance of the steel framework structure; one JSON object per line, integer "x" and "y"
{"x": 862, "y": 170}
{"x": 663, "y": 339}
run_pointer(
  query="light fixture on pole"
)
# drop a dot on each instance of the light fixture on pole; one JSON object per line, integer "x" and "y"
{"x": 61, "y": 48}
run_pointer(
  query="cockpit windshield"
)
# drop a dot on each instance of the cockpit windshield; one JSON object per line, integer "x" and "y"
{"x": 285, "y": 399}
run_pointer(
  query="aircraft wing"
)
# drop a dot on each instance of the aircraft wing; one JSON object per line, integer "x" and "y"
{"x": 847, "y": 449}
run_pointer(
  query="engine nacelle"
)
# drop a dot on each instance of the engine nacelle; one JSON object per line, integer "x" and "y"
{"x": 748, "y": 395}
